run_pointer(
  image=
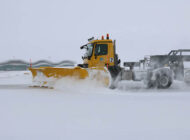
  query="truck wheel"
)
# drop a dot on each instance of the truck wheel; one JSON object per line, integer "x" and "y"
{"x": 163, "y": 81}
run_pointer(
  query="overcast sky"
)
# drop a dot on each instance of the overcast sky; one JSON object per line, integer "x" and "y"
{"x": 55, "y": 29}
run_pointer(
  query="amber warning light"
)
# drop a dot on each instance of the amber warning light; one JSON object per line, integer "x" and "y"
{"x": 102, "y": 37}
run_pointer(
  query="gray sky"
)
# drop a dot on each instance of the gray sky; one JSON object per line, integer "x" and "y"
{"x": 55, "y": 29}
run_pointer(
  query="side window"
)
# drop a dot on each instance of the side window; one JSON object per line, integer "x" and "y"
{"x": 101, "y": 49}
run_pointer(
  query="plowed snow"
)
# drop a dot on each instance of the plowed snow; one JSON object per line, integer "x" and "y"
{"x": 87, "y": 111}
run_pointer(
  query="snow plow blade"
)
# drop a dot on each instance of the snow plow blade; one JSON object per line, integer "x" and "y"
{"x": 47, "y": 76}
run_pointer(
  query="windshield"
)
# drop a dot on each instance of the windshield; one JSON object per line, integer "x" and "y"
{"x": 88, "y": 49}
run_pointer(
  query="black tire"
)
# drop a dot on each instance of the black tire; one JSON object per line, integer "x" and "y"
{"x": 163, "y": 81}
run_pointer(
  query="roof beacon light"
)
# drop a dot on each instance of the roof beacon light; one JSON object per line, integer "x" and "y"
{"x": 107, "y": 36}
{"x": 102, "y": 37}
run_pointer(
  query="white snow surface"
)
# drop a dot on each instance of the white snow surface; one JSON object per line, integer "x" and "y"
{"x": 86, "y": 111}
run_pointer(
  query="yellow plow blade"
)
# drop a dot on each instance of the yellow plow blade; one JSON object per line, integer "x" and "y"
{"x": 47, "y": 76}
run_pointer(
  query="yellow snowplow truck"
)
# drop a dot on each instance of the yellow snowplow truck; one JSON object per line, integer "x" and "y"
{"x": 100, "y": 57}
{"x": 101, "y": 63}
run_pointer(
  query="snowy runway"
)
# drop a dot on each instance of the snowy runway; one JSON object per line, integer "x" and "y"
{"x": 130, "y": 112}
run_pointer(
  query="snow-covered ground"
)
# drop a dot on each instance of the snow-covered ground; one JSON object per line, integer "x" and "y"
{"x": 83, "y": 111}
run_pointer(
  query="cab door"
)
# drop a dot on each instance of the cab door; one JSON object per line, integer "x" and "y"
{"x": 100, "y": 54}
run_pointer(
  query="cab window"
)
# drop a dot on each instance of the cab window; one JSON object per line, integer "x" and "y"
{"x": 101, "y": 49}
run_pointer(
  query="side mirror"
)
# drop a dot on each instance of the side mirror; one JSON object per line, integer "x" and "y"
{"x": 119, "y": 61}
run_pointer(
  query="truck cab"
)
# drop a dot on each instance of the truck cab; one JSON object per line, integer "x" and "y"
{"x": 99, "y": 53}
